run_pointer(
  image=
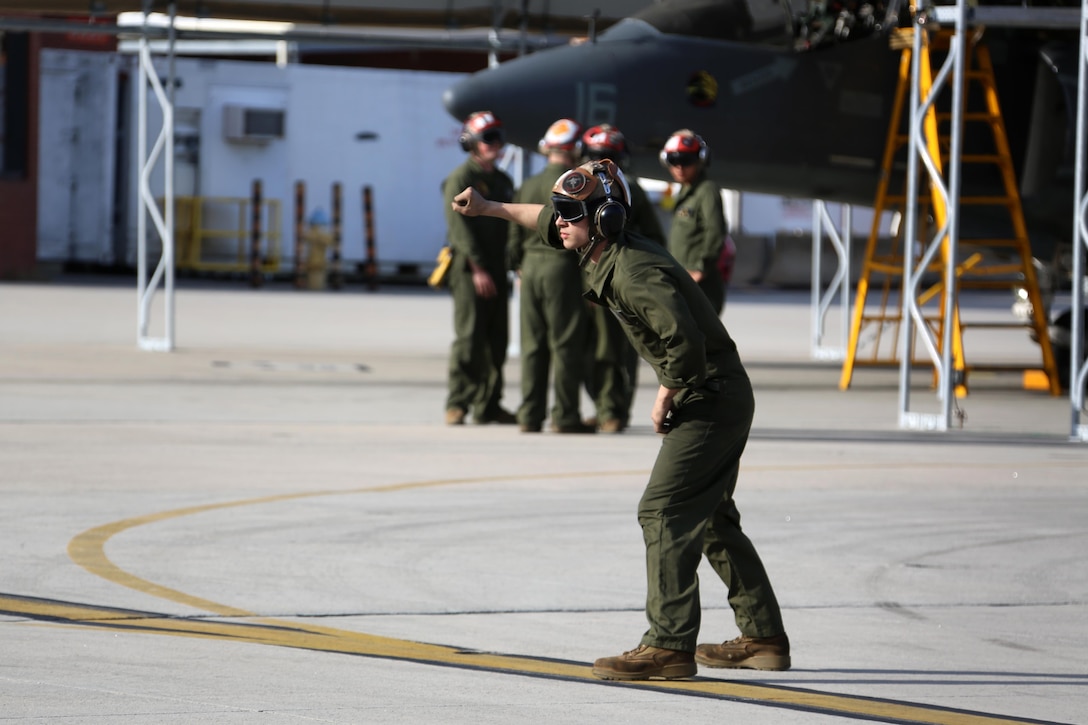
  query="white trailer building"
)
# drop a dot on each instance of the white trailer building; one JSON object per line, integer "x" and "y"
{"x": 236, "y": 122}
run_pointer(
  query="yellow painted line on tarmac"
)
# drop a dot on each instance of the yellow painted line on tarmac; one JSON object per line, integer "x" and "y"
{"x": 88, "y": 548}
{"x": 322, "y": 639}
{"x": 88, "y": 551}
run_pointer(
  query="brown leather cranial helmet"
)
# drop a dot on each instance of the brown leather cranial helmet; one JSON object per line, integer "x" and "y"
{"x": 597, "y": 190}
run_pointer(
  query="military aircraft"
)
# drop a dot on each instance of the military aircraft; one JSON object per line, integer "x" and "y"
{"x": 798, "y": 104}
{"x": 792, "y": 104}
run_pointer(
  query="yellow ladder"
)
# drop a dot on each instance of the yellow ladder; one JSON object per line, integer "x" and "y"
{"x": 882, "y": 266}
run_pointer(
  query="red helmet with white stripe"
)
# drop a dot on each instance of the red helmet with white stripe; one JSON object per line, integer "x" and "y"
{"x": 605, "y": 142}
{"x": 684, "y": 148}
{"x": 482, "y": 126}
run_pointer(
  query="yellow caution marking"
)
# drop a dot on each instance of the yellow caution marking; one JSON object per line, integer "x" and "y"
{"x": 88, "y": 551}
{"x": 322, "y": 639}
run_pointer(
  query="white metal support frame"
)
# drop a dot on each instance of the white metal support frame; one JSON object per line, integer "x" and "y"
{"x": 840, "y": 283}
{"x": 514, "y": 161}
{"x": 1078, "y": 370}
{"x": 163, "y": 149}
{"x": 913, "y": 270}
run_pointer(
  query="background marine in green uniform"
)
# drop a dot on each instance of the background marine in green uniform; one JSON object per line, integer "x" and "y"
{"x": 553, "y": 317}
{"x": 612, "y": 364}
{"x": 477, "y": 280}
{"x": 697, "y": 234}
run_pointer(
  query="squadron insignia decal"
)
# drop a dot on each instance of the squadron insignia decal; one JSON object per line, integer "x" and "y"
{"x": 702, "y": 89}
{"x": 574, "y": 183}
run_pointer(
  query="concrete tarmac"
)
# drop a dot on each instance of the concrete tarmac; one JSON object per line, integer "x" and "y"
{"x": 272, "y": 524}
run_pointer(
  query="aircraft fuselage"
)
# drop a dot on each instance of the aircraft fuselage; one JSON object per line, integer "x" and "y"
{"x": 804, "y": 124}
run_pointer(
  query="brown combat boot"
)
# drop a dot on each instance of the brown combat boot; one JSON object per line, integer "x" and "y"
{"x": 753, "y": 653}
{"x": 500, "y": 416}
{"x": 646, "y": 663}
{"x": 455, "y": 416}
{"x": 613, "y": 425}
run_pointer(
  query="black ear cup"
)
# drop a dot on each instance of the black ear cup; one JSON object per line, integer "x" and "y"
{"x": 465, "y": 139}
{"x": 610, "y": 219}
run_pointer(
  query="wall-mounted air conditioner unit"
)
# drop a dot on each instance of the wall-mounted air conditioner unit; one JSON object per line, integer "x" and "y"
{"x": 245, "y": 124}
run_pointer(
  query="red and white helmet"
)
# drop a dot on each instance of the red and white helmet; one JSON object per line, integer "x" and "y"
{"x": 605, "y": 142}
{"x": 482, "y": 126}
{"x": 564, "y": 135}
{"x": 685, "y": 147}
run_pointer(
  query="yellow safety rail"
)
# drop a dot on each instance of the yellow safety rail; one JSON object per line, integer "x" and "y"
{"x": 979, "y": 269}
{"x": 214, "y": 234}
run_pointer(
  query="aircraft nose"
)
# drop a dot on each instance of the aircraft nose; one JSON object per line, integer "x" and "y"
{"x": 466, "y": 97}
{"x": 531, "y": 92}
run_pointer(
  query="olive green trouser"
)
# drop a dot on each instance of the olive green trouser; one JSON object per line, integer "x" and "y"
{"x": 713, "y": 286}
{"x": 612, "y": 366}
{"x": 553, "y": 335}
{"x": 687, "y": 510}
{"x": 478, "y": 351}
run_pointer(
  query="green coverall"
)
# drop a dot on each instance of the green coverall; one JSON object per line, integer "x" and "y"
{"x": 553, "y": 317}
{"x": 613, "y": 367}
{"x": 697, "y": 235}
{"x": 687, "y": 508}
{"x": 480, "y": 326}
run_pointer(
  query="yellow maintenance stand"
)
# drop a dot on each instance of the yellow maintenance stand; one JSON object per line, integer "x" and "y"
{"x": 214, "y": 234}
{"x": 1001, "y": 259}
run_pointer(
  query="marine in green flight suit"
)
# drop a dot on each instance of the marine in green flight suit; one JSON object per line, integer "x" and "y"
{"x": 615, "y": 370}
{"x": 553, "y": 318}
{"x": 704, "y": 407}
{"x": 477, "y": 280}
{"x": 697, "y": 234}
{"x": 612, "y": 363}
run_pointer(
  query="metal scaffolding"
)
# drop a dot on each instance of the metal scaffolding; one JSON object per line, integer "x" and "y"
{"x": 947, "y": 235}
{"x": 840, "y": 283}
{"x": 163, "y": 219}
{"x": 1078, "y": 370}
{"x": 943, "y": 345}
